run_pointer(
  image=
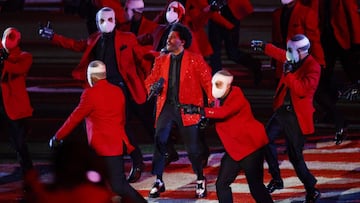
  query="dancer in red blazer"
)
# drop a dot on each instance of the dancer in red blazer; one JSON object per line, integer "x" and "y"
{"x": 183, "y": 76}
{"x": 103, "y": 108}
{"x": 241, "y": 134}
{"x": 293, "y": 110}
{"x": 119, "y": 51}
{"x": 295, "y": 18}
{"x": 15, "y": 105}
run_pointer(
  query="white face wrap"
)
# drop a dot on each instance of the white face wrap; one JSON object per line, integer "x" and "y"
{"x": 133, "y": 5}
{"x": 220, "y": 84}
{"x": 105, "y": 20}
{"x": 284, "y": 2}
{"x": 174, "y": 12}
{"x": 95, "y": 67}
{"x": 294, "y": 49}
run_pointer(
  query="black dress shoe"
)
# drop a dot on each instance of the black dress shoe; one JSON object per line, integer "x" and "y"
{"x": 312, "y": 197}
{"x": 201, "y": 190}
{"x": 135, "y": 173}
{"x": 275, "y": 185}
{"x": 157, "y": 188}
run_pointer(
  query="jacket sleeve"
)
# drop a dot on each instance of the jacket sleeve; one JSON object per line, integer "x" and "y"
{"x": 83, "y": 109}
{"x": 18, "y": 64}
{"x": 68, "y": 43}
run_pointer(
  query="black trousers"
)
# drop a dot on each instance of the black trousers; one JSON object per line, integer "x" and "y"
{"x": 253, "y": 166}
{"x": 284, "y": 121}
{"x": 190, "y": 134}
{"x": 118, "y": 182}
{"x": 17, "y": 130}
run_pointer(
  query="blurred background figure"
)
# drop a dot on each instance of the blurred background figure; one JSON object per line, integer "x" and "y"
{"x": 15, "y": 106}
{"x": 79, "y": 175}
{"x": 233, "y": 11}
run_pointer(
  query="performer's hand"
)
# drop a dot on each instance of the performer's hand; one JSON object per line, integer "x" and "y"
{"x": 203, "y": 123}
{"x": 192, "y": 109}
{"x": 3, "y": 55}
{"x": 288, "y": 67}
{"x": 46, "y": 31}
{"x": 54, "y": 143}
{"x": 258, "y": 45}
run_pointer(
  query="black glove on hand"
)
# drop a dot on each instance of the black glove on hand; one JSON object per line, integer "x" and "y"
{"x": 192, "y": 109}
{"x": 46, "y": 31}
{"x": 258, "y": 45}
{"x": 54, "y": 143}
{"x": 288, "y": 67}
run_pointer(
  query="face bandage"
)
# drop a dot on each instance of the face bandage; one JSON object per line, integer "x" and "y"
{"x": 299, "y": 44}
{"x": 174, "y": 12}
{"x": 220, "y": 84}
{"x": 105, "y": 20}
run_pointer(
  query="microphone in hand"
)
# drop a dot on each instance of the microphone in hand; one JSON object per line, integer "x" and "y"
{"x": 156, "y": 88}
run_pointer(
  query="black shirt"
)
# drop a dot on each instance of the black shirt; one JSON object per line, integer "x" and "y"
{"x": 174, "y": 76}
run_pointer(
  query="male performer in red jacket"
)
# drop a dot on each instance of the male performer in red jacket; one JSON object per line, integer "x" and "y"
{"x": 118, "y": 50}
{"x": 241, "y": 134}
{"x": 292, "y": 18}
{"x": 293, "y": 110}
{"x": 184, "y": 75}
{"x": 15, "y": 104}
{"x": 103, "y": 108}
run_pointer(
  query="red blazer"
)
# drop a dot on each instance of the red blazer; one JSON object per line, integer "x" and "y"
{"x": 195, "y": 76}
{"x": 103, "y": 108}
{"x": 303, "y": 20}
{"x": 302, "y": 85}
{"x": 146, "y": 26}
{"x": 345, "y": 21}
{"x": 240, "y": 133}
{"x": 13, "y": 84}
{"x": 127, "y": 57}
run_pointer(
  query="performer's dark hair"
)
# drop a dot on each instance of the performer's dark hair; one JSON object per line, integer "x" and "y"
{"x": 184, "y": 33}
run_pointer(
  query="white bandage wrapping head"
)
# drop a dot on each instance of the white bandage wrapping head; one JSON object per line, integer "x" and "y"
{"x": 221, "y": 82}
{"x": 95, "y": 67}
{"x": 299, "y": 44}
{"x": 284, "y": 2}
{"x": 175, "y": 11}
{"x": 133, "y": 5}
{"x": 105, "y": 20}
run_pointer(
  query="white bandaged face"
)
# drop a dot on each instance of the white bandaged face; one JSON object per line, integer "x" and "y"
{"x": 293, "y": 49}
{"x": 105, "y": 20}
{"x": 220, "y": 85}
{"x": 172, "y": 16}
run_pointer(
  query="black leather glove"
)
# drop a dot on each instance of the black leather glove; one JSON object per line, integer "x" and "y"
{"x": 46, "y": 31}
{"x": 288, "y": 67}
{"x": 3, "y": 55}
{"x": 258, "y": 45}
{"x": 203, "y": 123}
{"x": 192, "y": 109}
{"x": 54, "y": 143}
